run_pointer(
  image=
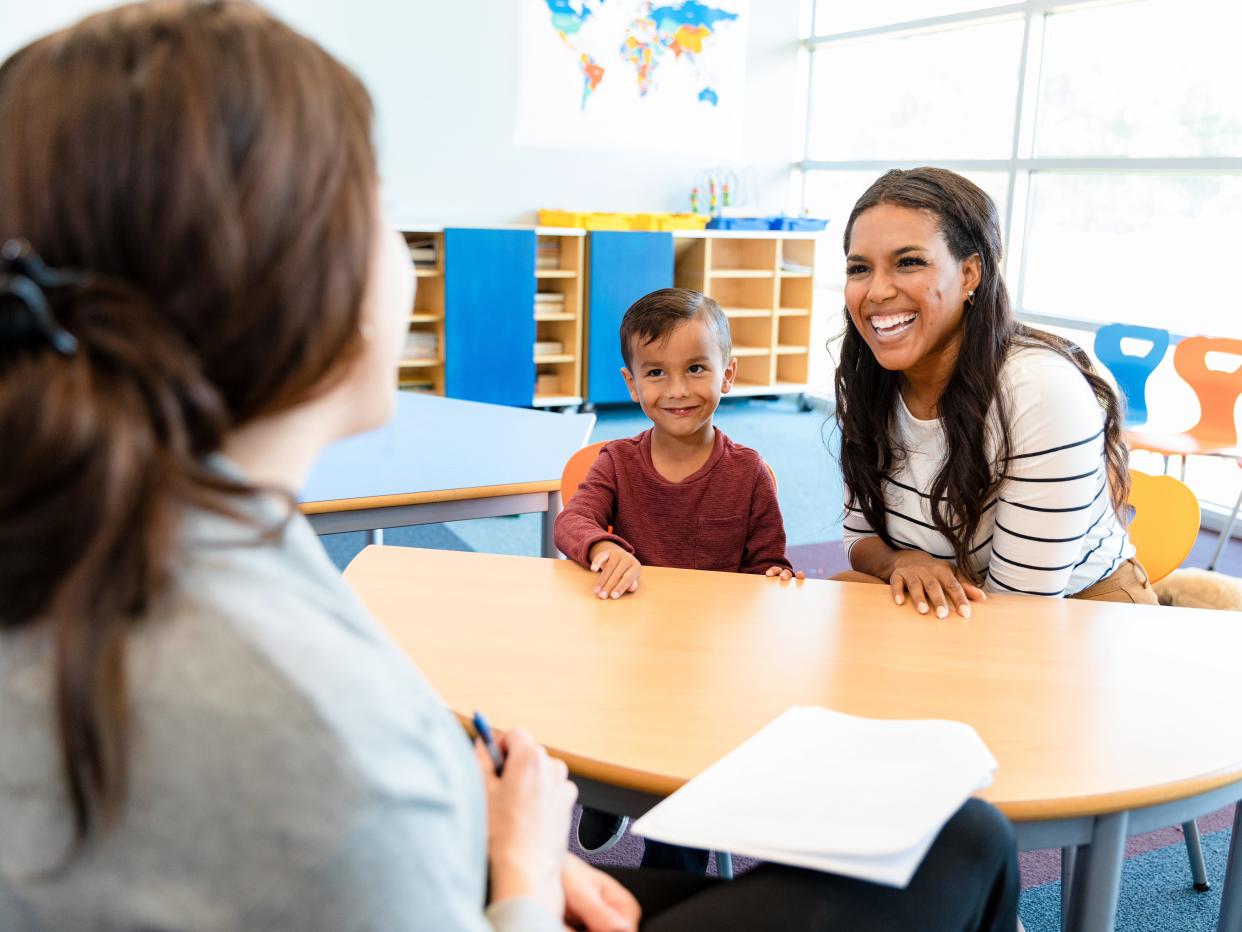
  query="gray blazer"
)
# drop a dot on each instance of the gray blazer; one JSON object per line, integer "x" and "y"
{"x": 290, "y": 768}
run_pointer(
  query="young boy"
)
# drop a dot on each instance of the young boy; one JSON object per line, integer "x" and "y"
{"x": 680, "y": 494}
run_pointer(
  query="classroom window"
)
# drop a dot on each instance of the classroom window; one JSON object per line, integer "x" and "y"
{"x": 905, "y": 94}
{"x": 1108, "y": 134}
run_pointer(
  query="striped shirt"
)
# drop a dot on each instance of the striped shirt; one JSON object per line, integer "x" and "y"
{"x": 1050, "y": 530}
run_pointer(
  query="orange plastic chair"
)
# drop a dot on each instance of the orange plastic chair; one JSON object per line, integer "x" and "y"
{"x": 580, "y": 464}
{"x": 1163, "y": 531}
{"x": 1216, "y": 431}
{"x": 1165, "y": 523}
{"x": 576, "y": 470}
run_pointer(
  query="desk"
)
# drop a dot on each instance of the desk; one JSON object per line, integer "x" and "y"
{"x": 1106, "y": 719}
{"x": 441, "y": 459}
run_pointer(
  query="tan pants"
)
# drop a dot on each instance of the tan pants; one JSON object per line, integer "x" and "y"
{"x": 1127, "y": 583}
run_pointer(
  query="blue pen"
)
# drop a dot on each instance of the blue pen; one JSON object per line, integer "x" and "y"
{"x": 489, "y": 741}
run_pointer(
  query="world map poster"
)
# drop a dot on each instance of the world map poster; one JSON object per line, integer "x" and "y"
{"x": 631, "y": 74}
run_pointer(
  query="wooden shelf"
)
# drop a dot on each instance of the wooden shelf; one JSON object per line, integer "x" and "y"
{"x": 793, "y": 312}
{"x": 549, "y": 358}
{"x": 555, "y": 273}
{"x": 789, "y": 350}
{"x": 751, "y": 351}
{"x": 787, "y": 273}
{"x": 556, "y": 401}
{"x": 747, "y": 311}
{"x": 740, "y": 273}
{"x": 419, "y": 317}
{"x": 555, "y": 317}
{"x": 418, "y": 363}
{"x": 422, "y": 272}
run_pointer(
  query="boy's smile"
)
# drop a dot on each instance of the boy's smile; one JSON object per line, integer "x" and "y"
{"x": 678, "y": 381}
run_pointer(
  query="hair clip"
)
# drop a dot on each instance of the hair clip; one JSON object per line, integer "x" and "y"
{"x": 24, "y": 276}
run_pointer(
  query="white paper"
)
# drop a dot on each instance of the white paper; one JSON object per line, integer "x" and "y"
{"x": 821, "y": 789}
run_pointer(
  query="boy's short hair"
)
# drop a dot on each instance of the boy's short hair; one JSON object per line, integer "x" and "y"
{"x": 654, "y": 316}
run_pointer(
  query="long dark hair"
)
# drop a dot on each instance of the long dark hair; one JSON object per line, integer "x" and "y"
{"x": 971, "y": 406}
{"x": 212, "y": 173}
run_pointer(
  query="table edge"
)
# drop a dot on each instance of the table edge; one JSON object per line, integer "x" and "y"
{"x": 332, "y": 506}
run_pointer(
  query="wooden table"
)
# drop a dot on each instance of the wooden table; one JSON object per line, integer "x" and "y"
{"x": 441, "y": 459}
{"x": 1107, "y": 720}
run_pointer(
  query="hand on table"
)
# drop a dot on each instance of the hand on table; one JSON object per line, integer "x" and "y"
{"x": 784, "y": 572}
{"x": 618, "y": 569}
{"x": 595, "y": 901}
{"x": 934, "y": 585}
{"x": 529, "y": 807}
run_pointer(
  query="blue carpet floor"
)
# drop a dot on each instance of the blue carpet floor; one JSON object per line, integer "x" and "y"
{"x": 1155, "y": 894}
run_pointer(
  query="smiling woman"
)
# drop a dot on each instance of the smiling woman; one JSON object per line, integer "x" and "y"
{"x": 978, "y": 454}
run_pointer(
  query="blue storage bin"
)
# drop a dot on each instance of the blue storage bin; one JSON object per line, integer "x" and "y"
{"x": 799, "y": 224}
{"x": 740, "y": 223}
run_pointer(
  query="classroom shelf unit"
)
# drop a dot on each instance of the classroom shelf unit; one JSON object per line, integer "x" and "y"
{"x": 559, "y": 313}
{"x": 764, "y": 284}
{"x": 421, "y": 368}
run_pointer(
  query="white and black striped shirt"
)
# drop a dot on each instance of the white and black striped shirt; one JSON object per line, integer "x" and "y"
{"x": 1051, "y": 529}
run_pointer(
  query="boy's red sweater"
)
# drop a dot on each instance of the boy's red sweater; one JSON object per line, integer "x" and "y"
{"x": 723, "y": 517}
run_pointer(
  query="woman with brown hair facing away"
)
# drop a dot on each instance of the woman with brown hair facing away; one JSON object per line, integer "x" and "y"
{"x": 200, "y": 726}
{"x": 978, "y": 454}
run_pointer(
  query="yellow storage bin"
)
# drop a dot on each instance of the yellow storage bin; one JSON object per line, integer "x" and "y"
{"x": 585, "y": 220}
{"x": 670, "y": 221}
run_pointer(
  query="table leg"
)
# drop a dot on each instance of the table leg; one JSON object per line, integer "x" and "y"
{"x": 1097, "y": 875}
{"x": 1068, "y": 854}
{"x": 548, "y": 547}
{"x": 375, "y": 535}
{"x": 1231, "y": 896}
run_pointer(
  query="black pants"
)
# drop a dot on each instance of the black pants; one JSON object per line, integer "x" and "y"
{"x": 967, "y": 883}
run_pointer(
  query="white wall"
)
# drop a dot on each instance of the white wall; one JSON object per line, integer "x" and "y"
{"x": 442, "y": 75}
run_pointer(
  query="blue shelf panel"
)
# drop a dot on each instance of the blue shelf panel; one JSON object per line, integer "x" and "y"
{"x": 489, "y": 320}
{"x": 623, "y": 268}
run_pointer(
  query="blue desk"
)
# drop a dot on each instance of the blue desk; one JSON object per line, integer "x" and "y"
{"x": 442, "y": 459}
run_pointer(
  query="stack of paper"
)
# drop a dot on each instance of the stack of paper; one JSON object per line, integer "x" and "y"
{"x": 421, "y": 344}
{"x": 820, "y": 789}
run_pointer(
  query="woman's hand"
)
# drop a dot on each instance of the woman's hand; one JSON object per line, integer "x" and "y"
{"x": 595, "y": 901}
{"x": 529, "y": 807}
{"x": 932, "y": 584}
{"x": 618, "y": 569}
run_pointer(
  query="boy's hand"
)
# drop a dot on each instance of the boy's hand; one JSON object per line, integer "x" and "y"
{"x": 784, "y": 572}
{"x": 618, "y": 569}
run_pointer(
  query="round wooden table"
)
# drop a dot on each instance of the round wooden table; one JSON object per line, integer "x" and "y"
{"x": 1106, "y": 719}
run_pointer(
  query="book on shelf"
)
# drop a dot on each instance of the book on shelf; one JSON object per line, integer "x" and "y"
{"x": 828, "y": 791}
{"x": 549, "y": 297}
{"x": 549, "y": 347}
{"x": 787, "y": 266}
{"x": 423, "y": 253}
{"x": 547, "y": 254}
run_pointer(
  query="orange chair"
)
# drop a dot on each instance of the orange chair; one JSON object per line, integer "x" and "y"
{"x": 576, "y": 470}
{"x": 580, "y": 464}
{"x": 1165, "y": 523}
{"x": 1216, "y": 431}
{"x": 1163, "y": 531}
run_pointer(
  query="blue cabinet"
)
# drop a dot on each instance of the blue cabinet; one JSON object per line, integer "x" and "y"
{"x": 489, "y": 294}
{"x": 623, "y": 268}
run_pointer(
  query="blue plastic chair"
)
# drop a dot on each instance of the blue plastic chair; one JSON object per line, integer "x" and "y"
{"x": 1131, "y": 372}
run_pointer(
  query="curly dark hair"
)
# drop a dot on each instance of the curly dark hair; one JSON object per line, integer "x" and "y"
{"x": 866, "y": 392}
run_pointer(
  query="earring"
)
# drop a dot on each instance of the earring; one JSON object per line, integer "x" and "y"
{"x": 970, "y": 297}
